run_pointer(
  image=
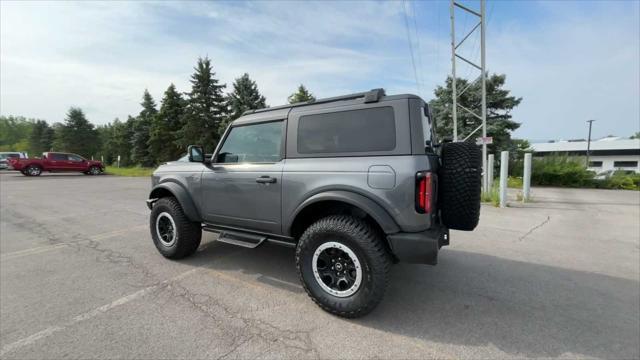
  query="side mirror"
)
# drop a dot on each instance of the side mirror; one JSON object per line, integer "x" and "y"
{"x": 196, "y": 153}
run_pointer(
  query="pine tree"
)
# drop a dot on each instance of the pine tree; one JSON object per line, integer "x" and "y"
{"x": 141, "y": 129}
{"x": 499, "y": 106}
{"x": 245, "y": 96}
{"x": 41, "y": 138}
{"x": 163, "y": 143}
{"x": 77, "y": 135}
{"x": 302, "y": 95}
{"x": 206, "y": 108}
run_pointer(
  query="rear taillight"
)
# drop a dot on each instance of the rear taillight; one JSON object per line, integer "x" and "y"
{"x": 424, "y": 192}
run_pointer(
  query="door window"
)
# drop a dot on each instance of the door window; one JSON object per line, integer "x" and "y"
{"x": 58, "y": 157}
{"x": 259, "y": 143}
{"x": 76, "y": 158}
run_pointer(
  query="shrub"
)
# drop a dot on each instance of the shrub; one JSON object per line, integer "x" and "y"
{"x": 619, "y": 180}
{"x": 561, "y": 171}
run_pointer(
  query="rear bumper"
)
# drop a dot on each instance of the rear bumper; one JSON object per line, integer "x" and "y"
{"x": 421, "y": 247}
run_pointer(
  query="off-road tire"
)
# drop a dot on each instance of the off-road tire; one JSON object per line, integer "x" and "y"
{"x": 187, "y": 233}
{"x": 367, "y": 244}
{"x": 459, "y": 185}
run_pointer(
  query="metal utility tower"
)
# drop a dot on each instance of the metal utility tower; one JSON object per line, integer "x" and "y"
{"x": 482, "y": 67}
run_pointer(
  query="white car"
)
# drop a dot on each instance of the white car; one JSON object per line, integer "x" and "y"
{"x": 10, "y": 154}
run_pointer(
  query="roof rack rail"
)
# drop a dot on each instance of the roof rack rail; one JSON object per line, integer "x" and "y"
{"x": 370, "y": 96}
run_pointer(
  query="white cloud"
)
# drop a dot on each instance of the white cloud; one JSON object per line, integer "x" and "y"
{"x": 570, "y": 62}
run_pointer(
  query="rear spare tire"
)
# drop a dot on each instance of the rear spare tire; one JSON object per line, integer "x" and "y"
{"x": 459, "y": 185}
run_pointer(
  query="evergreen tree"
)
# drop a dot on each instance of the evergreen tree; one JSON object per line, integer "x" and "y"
{"x": 77, "y": 135}
{"x": 163, "y": 142}
{"x": 245, "y": 96}
{"x": 105, "y": 133}
{"x": 41, "y": 138}
{"x": 206, "y": 108}
{"x": 302, "y": 95}
{"x": 117, "y": 137}
{"x": 499, "y": 106}
{"x": 141, "y": 129}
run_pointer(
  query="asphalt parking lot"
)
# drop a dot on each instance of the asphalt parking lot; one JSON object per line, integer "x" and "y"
{"x": 80, "y": 278}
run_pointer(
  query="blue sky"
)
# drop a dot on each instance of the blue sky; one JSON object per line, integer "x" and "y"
{"x": 570, "y": 61}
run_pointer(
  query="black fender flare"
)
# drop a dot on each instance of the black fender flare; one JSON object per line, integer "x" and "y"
{"x": 180, "y": 193}
{"x": 377, "y": 212}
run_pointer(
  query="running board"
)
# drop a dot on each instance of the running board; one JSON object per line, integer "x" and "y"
{"x": 241, "y": 239}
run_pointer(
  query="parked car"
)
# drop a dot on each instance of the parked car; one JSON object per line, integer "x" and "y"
{"x": 353, "y": 183}
{"x": 12, "y": 154}
{"x": 56, "y": 162}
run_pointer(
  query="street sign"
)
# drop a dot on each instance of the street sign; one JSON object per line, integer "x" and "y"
{"x": 484, "y": 140}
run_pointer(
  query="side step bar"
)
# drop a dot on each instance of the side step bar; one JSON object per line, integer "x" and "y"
{"x": 241, "y": 239}
{"x": 247, "y": 239}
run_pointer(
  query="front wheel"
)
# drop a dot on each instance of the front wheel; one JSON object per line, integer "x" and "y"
{"x": 94, "y": 170}
{"x": 343, "y": 265}
{"x": 174, "y": 235}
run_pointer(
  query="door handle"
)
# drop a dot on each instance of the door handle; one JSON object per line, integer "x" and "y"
{"x": 266, "y": 180}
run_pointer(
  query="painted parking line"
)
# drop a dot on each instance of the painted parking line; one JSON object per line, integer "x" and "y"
{"x": 89, "y": 315}
{"x": 46, "y": 248}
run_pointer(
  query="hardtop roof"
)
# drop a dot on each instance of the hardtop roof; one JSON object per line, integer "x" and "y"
{"x": 281, "y": 112}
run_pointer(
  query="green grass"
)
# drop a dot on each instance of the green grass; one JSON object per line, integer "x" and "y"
{"x": 493, "y": 196}
{"x": 128, "y": 171}
{"x": 514, "y": 182}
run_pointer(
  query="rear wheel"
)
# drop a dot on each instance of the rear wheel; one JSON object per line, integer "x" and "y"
{"x": 33, "y": 170}
{"x": 174, "y": 235}
{"x": 343, "y": 265}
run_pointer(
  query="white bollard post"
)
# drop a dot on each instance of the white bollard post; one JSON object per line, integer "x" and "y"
{"x": 102, "y": 158}
{"x": 490, "y": 172}
{"x": 118, "y": 160}
{"x": 526, "y": 178}
{"x": 504, "y": 172}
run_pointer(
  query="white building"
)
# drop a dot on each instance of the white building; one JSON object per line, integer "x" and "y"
{"x": 609, "y": 153}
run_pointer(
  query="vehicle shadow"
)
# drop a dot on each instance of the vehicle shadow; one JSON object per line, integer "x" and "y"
{"x": 471, "y": 300}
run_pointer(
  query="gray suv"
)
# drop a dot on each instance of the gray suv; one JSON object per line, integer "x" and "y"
{"x": 354, "y": 183}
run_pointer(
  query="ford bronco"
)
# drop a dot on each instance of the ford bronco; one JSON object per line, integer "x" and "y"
{"x": 354, "y": 183}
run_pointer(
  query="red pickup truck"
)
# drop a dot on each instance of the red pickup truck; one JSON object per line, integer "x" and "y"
{"x": 55, "y": 162}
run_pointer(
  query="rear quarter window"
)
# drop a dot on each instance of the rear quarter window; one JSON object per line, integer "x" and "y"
{"x": 352, "y": 131}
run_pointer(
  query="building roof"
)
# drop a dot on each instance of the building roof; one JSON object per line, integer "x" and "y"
{"x": 602, "y": 144}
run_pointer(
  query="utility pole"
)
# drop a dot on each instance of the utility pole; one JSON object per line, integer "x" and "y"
{"x": 589, "y": 141}
{"x": 454, "y": 109}
{"x": 482, "y": 67}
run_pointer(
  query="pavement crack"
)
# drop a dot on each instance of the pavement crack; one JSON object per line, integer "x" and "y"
{"x": 247, "y": 328}
{"x": 546, "y": 221}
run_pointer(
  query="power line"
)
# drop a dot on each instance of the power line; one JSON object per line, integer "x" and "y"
{"x": 415, "y": 27}
{"x": 413, "y": 60}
